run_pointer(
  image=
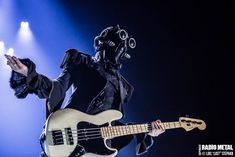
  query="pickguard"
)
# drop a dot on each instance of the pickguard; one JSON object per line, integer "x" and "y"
{"x": 88, "y": 141}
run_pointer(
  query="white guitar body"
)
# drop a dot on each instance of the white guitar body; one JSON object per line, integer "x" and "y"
{"x": 71, "y": 133}
{"x": 69, "y": 118}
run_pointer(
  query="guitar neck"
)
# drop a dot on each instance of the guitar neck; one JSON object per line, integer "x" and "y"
{"x": 171, "y": 125}
{"x": 116, "y": 131}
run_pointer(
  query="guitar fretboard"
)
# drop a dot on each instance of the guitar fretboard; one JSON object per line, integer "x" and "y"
{"x": 116, "y": 131}
{"x": 171, "y": 125}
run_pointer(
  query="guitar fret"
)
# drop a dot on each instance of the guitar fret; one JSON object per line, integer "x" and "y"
{"x": 108, "y": 130}
{"x": 141, "y": 128}
{"x": 135, "y": 128}
{"x": 164, "y": 126}
{"x": 146, "y": 127}
{"x": 120, "y": 130}
{"x": 127, "y": 129}
{"x": 107, "y": 133}
{"x": 131, "y": 128}
{"x": 115, "y": 131}
{"x": 168, "y": 126}
{"x": 111, "y": 132}
{"x": 138, "y": 128}
{"x": 124, "y": 130}
{"x": 177, "y": 124}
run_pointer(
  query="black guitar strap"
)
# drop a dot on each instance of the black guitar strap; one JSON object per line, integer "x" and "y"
{"x": 121, "y": 88}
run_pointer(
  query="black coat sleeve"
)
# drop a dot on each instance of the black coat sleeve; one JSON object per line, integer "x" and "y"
{"x": 33, "y": 83}
{"x": 144, "y": 142}
{"x": 52, "y": 90}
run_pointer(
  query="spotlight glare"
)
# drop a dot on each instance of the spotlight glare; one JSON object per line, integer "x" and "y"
{"x": 10, "y": 52}
{"x": 24, "y": 33}
{"x": 24, "y": 24}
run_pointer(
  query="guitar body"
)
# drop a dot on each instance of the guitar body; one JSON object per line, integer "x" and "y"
{"x": 71, "y": 133}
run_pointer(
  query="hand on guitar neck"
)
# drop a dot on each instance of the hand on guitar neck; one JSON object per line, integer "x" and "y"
{"x": 157, "y": 128}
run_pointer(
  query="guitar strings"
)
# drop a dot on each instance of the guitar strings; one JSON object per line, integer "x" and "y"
{"x": 81, "y": 134}
{"x": 149, "y": 125}
{"x": 84, "y": 134}
{"x": 82, "y": 131}
{"x": 60, "y": 140}
{"x": 82, "y": 139}
{"x": 79, "y": 129}
{"x": 88, "y": 131}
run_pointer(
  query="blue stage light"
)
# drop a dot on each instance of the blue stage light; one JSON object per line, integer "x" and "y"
{"x": 24, "y": 33}
{"x": 43, "y": 36}
{"x": 24, "y": 24}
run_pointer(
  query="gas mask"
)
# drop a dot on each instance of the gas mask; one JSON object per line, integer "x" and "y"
{"x": 112, "y": 43}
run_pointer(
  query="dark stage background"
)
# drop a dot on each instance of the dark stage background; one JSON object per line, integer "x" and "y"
{"x": 182, "y": 65}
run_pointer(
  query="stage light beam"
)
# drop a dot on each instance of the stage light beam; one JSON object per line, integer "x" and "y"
{"x": 24, "y": 24}
{"x": 24, "y": 33}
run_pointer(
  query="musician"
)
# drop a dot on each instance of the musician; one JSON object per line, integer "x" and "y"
{"x": 96, "y": 80}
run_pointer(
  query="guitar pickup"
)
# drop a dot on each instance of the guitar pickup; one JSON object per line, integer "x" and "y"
{"x": 57, "y": 137}
{"x": 69, "y": 136}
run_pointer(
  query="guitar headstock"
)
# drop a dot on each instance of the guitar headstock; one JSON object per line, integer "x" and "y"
{"x": 191, "y": 123}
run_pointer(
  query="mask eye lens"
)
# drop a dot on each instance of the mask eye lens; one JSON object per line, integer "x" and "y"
{"x": 123, "y": 34}
{"x": 104, "y": 33}
{"x": 132, "y": 43}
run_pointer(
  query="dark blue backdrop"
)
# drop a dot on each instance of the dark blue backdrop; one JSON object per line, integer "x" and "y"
{"x": 181, "y": 65}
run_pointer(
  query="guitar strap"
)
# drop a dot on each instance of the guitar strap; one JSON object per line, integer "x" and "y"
{"x": 57, "y": 107}
{"x": 122, "y": 91}
{"x": 97, "y": 101}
